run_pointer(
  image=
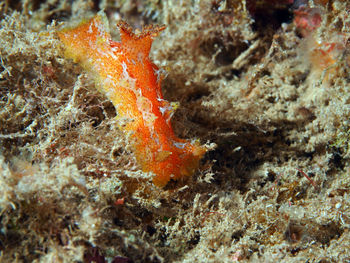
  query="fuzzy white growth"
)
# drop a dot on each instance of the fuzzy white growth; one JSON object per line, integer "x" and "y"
{"x": 90, "y": 223}
{"x": 180, "y": 145}
{"x": 108, "y": 84}
{"x": 125, "y": 70}
{"x": 159, "y": 73}
{"x": 128, "y": 82}
{"x": 163, "y": 110}
{"x": 90, "y": 29}
{"x": 144, "y": 105}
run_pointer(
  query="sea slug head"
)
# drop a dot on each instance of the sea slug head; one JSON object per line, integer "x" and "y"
{"x": 138, "y": 43}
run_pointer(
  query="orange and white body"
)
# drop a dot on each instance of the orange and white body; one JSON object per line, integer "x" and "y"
{"x": 126, "y": 75}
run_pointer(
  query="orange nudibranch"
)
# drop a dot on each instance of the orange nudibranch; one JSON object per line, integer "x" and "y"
{"x": 126, "y": 75}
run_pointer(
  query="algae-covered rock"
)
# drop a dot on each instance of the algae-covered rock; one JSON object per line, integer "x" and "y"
{"x": 264, "y": 83}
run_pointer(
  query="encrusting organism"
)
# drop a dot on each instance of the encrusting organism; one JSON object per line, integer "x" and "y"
{"x": 126, "y": 75}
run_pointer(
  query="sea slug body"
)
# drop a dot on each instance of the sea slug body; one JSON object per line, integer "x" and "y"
{"x": 126, "y": 75}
